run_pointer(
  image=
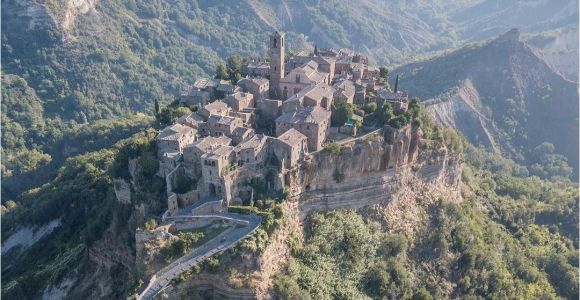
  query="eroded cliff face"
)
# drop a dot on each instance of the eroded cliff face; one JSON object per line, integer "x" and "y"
{"x": 392, "y": 178}
{"x": 34, "y": 14}
{"x": 370, "y": 170}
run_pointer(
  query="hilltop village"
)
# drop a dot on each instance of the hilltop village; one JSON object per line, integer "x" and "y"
{"x": 253, "y": 135}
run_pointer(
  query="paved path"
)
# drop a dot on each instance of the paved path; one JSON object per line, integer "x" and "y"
{"x": 225, "y": 240}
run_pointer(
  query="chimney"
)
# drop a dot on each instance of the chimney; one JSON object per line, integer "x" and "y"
{"x": 397, "y": 84}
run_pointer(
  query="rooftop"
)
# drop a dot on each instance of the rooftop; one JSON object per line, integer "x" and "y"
{"x": 216, "y": 106}
{"x": 205, "y": 83}
{"x": 292, "y": 137}
{"x": 219, "y": 151}
{"x": 313, "y": 115}
{"x": 173, "y": 132}
{"x": 241, "y": 96}
{"x": 254, "y": 142}
{"x": 222, "y": 120}
{"x": 387, "y": 95}
{"x": 210, "y": 142}
{"x": 194, "y": 117}
{"x": 255, "y": 80}
{"x": 241, "y": 131}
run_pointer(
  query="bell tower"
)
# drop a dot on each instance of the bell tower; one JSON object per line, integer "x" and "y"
{"x": 276, "y": 52}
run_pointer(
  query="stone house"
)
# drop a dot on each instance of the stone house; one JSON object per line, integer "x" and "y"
{"x": 192, "y": 120}
{"x": 269, "y": 108}
{"x": 192, "y": 153}
{"x": 218, "y": 108}
{"x": 174, "y": 137}
{"x": 194, "y": 96}
{"x": 223, "y": 125}
{"x": 239, "y": 101}
{"x": 324, "y": 64}
{"x": 313, "y": 122}
{"x": 259, "y": 87}
{"x": 300, "y": 78}
{"x": 255, "y": 68}
{"x": 252, "y": 151}
{"x": 319, "y": 95}
{"x": 242, "y": 134}
{"x": 168, "y": 161}
{"x": 225, "y": 88}
{"x": 201, "y": 92}
{"x": 214, "y": 165}
{"x": 290, "y": 148}
{"x": 344, "y": 91}
{"x": 398, "y": 100}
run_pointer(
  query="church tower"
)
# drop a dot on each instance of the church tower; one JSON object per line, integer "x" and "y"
{"x": 276, "y": 63}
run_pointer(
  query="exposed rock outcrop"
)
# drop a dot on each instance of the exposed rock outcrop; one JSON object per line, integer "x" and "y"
{"x": 36, "y": 14}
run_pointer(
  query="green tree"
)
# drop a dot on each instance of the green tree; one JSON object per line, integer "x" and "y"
{"x": 221, "y": 72}
{"x": 234, "y": 66}
{"x": 341, "y": 113}
{"x": 157, "y": 107}
{"x": 370, "y": 107}
{"x": 383, "y": 72}
{"x": 386, "y": 114}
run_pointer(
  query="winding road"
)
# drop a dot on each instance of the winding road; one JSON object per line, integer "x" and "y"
{"x": 244, "y": 225}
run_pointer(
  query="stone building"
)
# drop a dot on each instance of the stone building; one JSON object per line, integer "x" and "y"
{"x": 324, "y": 64}
{"x": 219, "y": 108}
{"x": 398, "y": 100}
{"x": 174, "y": 137}
{"x": 318, "y": 95}
{"x": 290, "y": 148}
{"x": 223, "y": 125}
{"x": 252, "y": 151}
{"x": 256, "y": 69}
{"x": 269, "y": 108}
{"x": 344, "y": 91}
{"x": 225, "y": 88}
{"x": 201, "y": 92}
{"x": 192, "y": 153}
{"x": 300, "y": 78}
{"x": 242, "y": 134}
{"x": 259, "y": 87}
{"x": 192, "y": 120}
{"x": 214, "y": 165}
{"x": 277, "y": 56}
{"x": 194, "y": 96}
{"x": 313, "y": 122}
{"x": 239, "y": 101}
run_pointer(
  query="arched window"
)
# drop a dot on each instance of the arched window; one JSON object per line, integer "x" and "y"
{"x": 275, "y": 45}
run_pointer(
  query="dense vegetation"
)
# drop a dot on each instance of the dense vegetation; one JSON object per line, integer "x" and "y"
{"x": 81, "y": 197}
{"x": 513, "y": 236}
{"x": 70, "y": 94}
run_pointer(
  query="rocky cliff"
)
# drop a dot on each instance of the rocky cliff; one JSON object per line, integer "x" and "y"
{"x": 38, "y": 14}
{"x": 394, "y": 175}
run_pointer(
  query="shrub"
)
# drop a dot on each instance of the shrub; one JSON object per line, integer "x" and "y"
{"x": 333, "y": 148}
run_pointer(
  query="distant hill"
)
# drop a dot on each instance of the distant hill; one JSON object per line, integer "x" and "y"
{"x": 559, "y": 48}
{"x": 500, "y": 94}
